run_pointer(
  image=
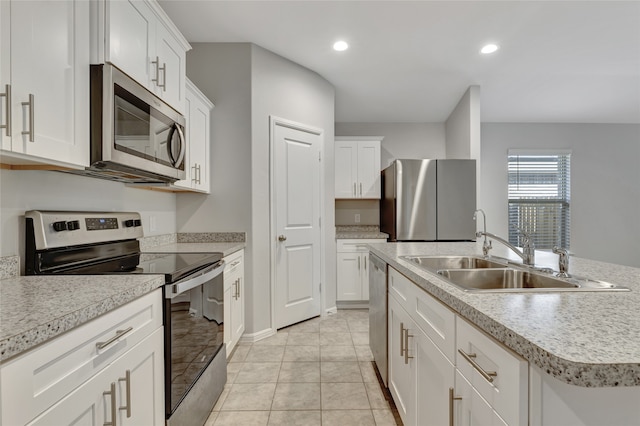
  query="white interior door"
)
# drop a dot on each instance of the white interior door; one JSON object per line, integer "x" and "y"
{"x": 296, "y": 208}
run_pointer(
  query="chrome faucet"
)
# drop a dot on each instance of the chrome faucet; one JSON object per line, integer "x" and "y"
{"x": 528, "y": 250}
{"x": 486, "y": 246}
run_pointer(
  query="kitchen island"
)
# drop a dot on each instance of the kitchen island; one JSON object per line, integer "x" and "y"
{"x": 583, "y": 348}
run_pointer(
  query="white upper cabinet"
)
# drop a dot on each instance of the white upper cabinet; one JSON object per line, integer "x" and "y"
{"x": 198, "y": 114}
{"x": 44, "y": 81}
{"x": 357, "y": 167}
{"x": 141, "y": 40}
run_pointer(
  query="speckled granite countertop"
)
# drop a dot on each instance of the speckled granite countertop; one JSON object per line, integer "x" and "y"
{"x": 589, "y": 339}
{"x": 356, "y": 232}
{"x": 35, "y": 309}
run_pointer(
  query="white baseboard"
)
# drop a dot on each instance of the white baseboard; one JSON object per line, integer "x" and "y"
{"x": 254, "y": 337}
{"x": 331, "y": 311}
{"x": 364, "y": 304}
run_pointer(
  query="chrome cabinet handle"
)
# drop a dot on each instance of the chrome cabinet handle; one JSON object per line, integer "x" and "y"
{"x": 365, "y": 263}
{"x": 488, "y": 375}
{"x": 452, "y": 398}
{"x": 112, "y": 393}
{"x": 355, "y": 192}
{"x": 194, "y": 179}
{"x": 358, "y": 263}
{"x": 163, "y": 68}
{"x": 7, "y": 112}
{"x": 157, "y": 64}
{"x": 119, "y": 334}
{"x": 31, "y": 118}
{"x": 406, "y": 346}
{"x": 282, "y": 238}
{"x": 361, "y": 189}
{"x": 127, "y": 380}
{"x": 401, "y": 339}
{"x": 199, "y": 174}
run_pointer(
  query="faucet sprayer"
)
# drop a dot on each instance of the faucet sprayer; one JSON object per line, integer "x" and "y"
{"x": 486, "y": 246}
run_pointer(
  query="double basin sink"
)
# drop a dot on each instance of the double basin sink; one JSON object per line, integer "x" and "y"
{"x": 478, "y": 274}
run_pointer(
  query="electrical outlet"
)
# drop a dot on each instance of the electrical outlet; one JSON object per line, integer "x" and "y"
{"x": 357, "y": 218}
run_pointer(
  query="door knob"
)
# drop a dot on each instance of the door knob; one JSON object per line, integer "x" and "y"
{"x": 282, "y": 238}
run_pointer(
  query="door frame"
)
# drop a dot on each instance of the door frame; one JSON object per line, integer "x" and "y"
{"x": 273, "y": 122}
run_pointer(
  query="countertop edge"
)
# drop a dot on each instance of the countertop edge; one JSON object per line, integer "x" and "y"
{"x": 22, "y": 342}
{"x": 591, "y": 375}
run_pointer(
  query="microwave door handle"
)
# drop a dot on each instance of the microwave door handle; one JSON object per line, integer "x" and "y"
{"x": 176, "y": 161}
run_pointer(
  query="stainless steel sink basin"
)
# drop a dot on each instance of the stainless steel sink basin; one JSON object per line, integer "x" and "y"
{"x": 517, "y": 280}
{"x": 436, "y": 263}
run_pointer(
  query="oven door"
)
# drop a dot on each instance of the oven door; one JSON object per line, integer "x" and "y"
{"x": 193, "y": 321}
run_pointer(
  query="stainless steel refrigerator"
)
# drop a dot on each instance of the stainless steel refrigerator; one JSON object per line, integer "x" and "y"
{"x": 429, "y": 200}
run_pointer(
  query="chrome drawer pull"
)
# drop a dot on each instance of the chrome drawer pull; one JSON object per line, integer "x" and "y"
{"x": 401, "y": 340}
{"x": 112, "y": 393}
{"x": 119, "y": 334}
{"x": 127, "y": 380}
{"x": 488, "y": 375}
{"x": 30, "y": 132}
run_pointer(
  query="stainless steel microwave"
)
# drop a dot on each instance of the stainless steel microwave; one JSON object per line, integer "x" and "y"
{"x": 135, "y": 136}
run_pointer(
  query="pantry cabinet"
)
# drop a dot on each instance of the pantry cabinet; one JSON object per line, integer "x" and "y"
{"x": 357, "y": 167}
{"x": 110, "y": 369}
{"x": 233, "y": 300}
{"x": 353, "y": 269}
{"x": 44, "y": 82}
{"x": 139, "y": 38}
{"x": 198, "y": 133}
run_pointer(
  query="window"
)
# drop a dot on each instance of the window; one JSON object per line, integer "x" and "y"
{"x": 540, "y": 197}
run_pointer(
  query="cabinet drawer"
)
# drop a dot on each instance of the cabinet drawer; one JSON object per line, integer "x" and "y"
{"x": 505, "y": 388}
{"x": 356, "y": 245}
{"x": 435, "y": 319}
{"x": 400, "y": 286}
{"x": 44, "y": 375}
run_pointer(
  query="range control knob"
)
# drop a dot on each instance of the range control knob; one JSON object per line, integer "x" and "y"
{"x": 60, "y": 226}
{"x": 73, "y": 225}
{"x": 137, "y": 222}
{"x": 129, "y": 223}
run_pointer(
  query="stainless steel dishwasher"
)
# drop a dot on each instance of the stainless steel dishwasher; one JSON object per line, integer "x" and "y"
{"x": 378, "y": 314}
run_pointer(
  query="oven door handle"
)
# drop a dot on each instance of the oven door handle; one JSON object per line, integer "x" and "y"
{"x": 187, "y": 284}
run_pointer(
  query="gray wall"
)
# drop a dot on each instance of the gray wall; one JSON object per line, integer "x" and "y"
{"x": 605, "y": 183}
{"x": 22, "y": 190}
{"x": 249, "y": 84}
{"x": 401, "y": 140}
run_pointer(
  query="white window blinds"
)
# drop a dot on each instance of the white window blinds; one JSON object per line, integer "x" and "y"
{"x": 540, "y": 197}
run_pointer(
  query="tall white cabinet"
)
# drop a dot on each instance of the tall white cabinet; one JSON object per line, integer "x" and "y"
{"x": 44, "y": 82}
{"x": 233, "y": 299}
{"x": 198, "y": 116}
{"x": 357, "y": 167}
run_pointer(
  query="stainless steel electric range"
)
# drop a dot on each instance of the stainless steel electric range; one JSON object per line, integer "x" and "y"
{"x": 90, "y": 243}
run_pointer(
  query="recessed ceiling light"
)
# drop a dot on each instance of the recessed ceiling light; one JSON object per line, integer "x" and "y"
{"x": 489, "y": 48}
{"x": 340, "y": 46}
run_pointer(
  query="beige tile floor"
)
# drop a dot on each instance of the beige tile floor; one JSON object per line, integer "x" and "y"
{"x": 318, "y": 372}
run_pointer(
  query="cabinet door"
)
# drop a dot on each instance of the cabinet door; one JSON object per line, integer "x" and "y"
{"x": 346, "y": 169}
{"x": 435, "y": 376}
{"x": 5, "y": 73}
{"x": 348, "y": 276}
{"x": 472, "y": 409}
{"x": 171, "y": 84}
{"x": 49, "y": 77}
{"x": 369, "y": 169}
{"x": 199, "y": 118}
{"x": 131, "y": 40}
{"x": 364, "y": 275}
{"x": 237, "y": 309}
{"x": 402, "y": 378}
{"x": 227, "y": 318}
{"x": 89, "y": 405}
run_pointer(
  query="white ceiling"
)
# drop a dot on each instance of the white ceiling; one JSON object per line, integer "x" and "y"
{"x": 411, "y": 61}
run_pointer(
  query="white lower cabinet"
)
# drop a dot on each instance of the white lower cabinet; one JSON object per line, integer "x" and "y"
{"x": 353, "y": 269}
{"x": 432, "y": 382}
{"x": 127, "y": 392}
{"x": 420, "y": 375}
{"x": 233, "y": 300}
{"x": 471, "y": 409}
{"x": 109, "y": 370}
